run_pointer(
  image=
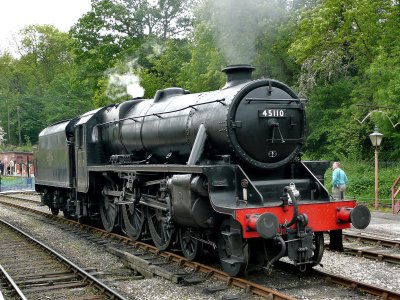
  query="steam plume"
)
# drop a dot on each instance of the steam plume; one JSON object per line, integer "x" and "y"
{"x": 237, "y": 24}
{"x": 124, "y": 84}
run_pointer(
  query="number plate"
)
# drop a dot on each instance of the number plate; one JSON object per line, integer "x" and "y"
{"x": 272, "y": 113}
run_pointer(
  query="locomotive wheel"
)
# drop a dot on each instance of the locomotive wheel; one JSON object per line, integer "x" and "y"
{"x": 54, "y": 211}
{"x": 66, "y": 214}
{"x": 160, "y": 227}
{"x": 108, "y": 210}
{"x": 318, "y": 243}
{"x": 233, "y": 254}
{"x": 191, "y": 247}
{"x": 133, "y": 220}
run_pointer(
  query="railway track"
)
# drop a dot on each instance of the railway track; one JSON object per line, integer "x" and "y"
{"x": 141, "y": 255}
{"x": 358, "y": 285}
{"x": 367, "y": 246}
{"x": 372, "y": 247}
{"x": 148, "y": 260}
{"x": 32, "y": 270}
{"x": 374, "y": 240}
{"x": 342, "y": 281}
{"x": 8, "y": 286}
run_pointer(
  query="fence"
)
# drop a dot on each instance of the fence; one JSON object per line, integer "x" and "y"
{"x": 16, "y": 184}
{"x": 382, "y": 202}
{"x": 388, "y": 164}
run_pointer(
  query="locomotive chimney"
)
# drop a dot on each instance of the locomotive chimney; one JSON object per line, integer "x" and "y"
{"x": 237, "y": 74}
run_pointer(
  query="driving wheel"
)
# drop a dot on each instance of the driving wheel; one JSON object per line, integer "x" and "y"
{"x": 233, "y": 253}
{"x": 133, "y": 216}
{"x": 108, "y": 209}
{"x": 191, "y": 247}
{"x": 161, "y": 227}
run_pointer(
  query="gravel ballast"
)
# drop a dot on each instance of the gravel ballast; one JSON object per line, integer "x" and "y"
{"x": 89, "y": 254}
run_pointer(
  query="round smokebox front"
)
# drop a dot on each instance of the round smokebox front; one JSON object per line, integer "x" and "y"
{"x": 267, "y": 124}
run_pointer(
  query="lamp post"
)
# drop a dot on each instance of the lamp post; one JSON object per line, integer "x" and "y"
{"x": 376, "y": 139}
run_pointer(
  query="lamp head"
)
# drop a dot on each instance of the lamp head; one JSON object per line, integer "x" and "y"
{"x": 376, "y": 137}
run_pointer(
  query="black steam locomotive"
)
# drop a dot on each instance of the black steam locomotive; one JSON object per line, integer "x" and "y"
{"x": 218, "y": 170}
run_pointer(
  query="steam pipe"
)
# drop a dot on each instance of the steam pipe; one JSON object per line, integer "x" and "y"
{"x": 288, "y": 190}
{"x": 198, "y": 145}
{"x": 279, "y": 240}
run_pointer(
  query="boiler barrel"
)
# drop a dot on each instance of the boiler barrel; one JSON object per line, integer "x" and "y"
{"x": 169, "y": 125}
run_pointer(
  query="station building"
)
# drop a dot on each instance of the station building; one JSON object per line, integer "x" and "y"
{"x": 16, "y": 163}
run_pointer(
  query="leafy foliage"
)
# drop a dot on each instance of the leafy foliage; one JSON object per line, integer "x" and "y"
{"x": 336, "y": 53}
{"x": 203, "y": 71}
{"x": 350, "y": 41}
{"x": 29, "y": 91}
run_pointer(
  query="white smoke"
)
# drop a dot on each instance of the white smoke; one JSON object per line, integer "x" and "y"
{"x": 124, "y": 83}
{"x": 238, "y": 23}
{"x": 156, "y": 50}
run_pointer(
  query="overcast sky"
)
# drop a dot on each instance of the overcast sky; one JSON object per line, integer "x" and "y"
{"x": 16, "y": 14}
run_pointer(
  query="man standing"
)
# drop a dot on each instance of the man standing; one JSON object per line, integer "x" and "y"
{"x": 339, "y": 181}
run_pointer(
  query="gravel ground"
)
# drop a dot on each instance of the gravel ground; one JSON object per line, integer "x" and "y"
{"x": 381, "y": 274}
{"x": 377, "y": 273}
{"x": 87, "y": 254}
{"x": 306, "y": 286}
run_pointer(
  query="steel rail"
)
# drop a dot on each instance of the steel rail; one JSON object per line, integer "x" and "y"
{"x": 12, "y": 283}
{"x": 85, "y": 275}
{"x": 247, "y": 285}
{"x": 347, "y": 282}
{"x": 239, "y": 282}
{"x": 11, "y": 196}
{"x": 372, "y": 253}
{"x": 367, "y": 238}
{"x": 355, "y": 284}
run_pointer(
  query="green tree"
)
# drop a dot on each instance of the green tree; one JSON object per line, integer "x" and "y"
{"x": 203, "y": 71}
{"x": 31, "y": 84}
{"x": 167, "y": 67}
{"x": 7, "y": 92}
{"x": 227, "y": 32}
{"x": 65, "y": 97}
{"x": 354, "y": 41}
{"x": 116, "y": 32}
